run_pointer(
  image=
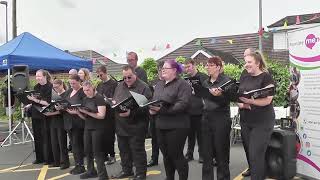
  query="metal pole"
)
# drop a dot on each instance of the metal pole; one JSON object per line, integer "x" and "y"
{"x": 6, "y": 22}
{"x": 260, "y": 25}
{"x": 14, "y": 19}
{"x": 9, "y": 103}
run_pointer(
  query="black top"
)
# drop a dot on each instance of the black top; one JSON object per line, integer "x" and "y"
{"x": 141, "y": 73}
{"x": 92, "y": 104}
{"x": 196, "y": 105}
{"x": 258, "y": 115}
{"x": 45, "y": 95}
{"x": 177, "y": 93}
{"x": 107, "y": 89}
{"x": 73, "y": 120}
{"x": 57, "y": 120}
{"x": 136, "y": 122}
{"x": 218, "y": 103}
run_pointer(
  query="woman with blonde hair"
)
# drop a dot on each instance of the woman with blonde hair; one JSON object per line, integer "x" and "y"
{"x": 257, "y": 116}
{"x": 84, "y": 74}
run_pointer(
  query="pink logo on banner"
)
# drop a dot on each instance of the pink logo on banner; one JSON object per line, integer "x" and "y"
{"x": 311, "y": 40}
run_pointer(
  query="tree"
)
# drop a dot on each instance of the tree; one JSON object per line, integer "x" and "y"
{"x": 150, "y": 66}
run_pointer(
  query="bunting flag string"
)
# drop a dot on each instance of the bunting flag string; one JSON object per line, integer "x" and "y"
{"x": 168, "y": 46}
{"x": 154, "y": 48}
{"x": 285, "y": 25}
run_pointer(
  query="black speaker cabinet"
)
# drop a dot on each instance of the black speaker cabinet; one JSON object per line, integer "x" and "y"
{"x": 281, "y": 155}
{"x": 20, "y": 77}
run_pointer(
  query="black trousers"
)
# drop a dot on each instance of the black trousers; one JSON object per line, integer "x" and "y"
{"x": 77, "y": 145}
{"x": 132, "y": 151}
{"x": 94, "y": 149}
{"x": 59, "y": 145}
{"x": 171, "y": 143}
{"x": 194, "y": 133}
{"x": 42, "y": 140}
{"x": 256, "y": 139}
{"x": 216, "y": 137}
{"x": 154, "y": 140}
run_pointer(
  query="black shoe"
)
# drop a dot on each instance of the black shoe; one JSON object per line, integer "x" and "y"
{"x": 140, "y": 177}
{"x": 246, "y": 173}
{"x": 122, "y": 175}
{"x": 88, "y": 175}
{"x": 79, "y": 169}
{"x": 111, "y": 160}
{"x": 214, "y": 162}
{"x": 152, "y": 163}
{"x": 200, "y": 159}
{"x": 64, "y": 166}
{"x": 189, "y": 157}
{"x": 37, "y": 162}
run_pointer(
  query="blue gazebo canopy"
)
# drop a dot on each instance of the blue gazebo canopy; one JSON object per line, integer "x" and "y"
{"x": 37, "y": 54}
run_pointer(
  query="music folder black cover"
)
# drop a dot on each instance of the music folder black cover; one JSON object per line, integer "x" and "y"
{"x": 125, "y": 105}
{"x": 257, "y": 93}
{"x": 22, "y": 96}
{"x": 228, "y": 85}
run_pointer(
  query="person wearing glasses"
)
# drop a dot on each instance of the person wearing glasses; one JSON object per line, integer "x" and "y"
{"x": 256, "y": 132}
{"x": 131, "y": 126}
{"x": 74, "y": 124}
{"x": 172, "y": 119}
{"x": 57, "y": 131}
{"x": 216, "y": 122}
{"x": 132, "y": 60}
{"x": 106, "y": 88}
{"x": 93, "y": 111}
{"x": 195, "y": 112}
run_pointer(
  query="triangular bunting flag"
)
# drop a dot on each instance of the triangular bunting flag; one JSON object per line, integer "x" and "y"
{"x": 266, "y": 35}
{"x": 114, "y": 54}
{"x": 230, "y": 41}
{"x": 168, "y": 46}
{"x": 298, "y": 20}
{"x": 261, "y": 31}
{"x": 94, "y": 60}
{"x": 285, "y": 25}
{"x": 199, "y": 43}
{"x": 140, "y": 50}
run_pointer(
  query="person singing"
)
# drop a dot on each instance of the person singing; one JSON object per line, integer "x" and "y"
{"x": 172, "y": 120}
{"x": 216, "y": 122}
{"x": 257, "y": 117}
{"x": 40, "y": 124}
{"x": 57, "y": 131}
{"x": 74, "y": 124}
{"x": 93, "y": 113}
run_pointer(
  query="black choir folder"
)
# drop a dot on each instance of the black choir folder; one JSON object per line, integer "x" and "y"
{"x": 135, "y": 101}
{"x": 258, "y": 93}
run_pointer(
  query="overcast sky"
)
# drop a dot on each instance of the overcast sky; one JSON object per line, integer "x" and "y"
{"x": 117, "y": 26}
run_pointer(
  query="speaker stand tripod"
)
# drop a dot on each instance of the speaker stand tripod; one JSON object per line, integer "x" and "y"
{"x": 24, "y": 126}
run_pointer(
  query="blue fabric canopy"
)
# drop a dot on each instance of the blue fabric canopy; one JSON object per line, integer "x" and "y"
{"x": 29, "y": 50}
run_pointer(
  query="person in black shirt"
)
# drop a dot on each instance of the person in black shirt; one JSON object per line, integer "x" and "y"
{"x": 257, "y": 117}
{"x": 216, "y": 125}
{"x": 40, "y": 124}
{"x": 195, "y": 112}
{"x": 57, "y": 131}
{"x": 152, "y": 127}
{"x": 131, "y": 126}
{"x": 132, "y": 59}
{"x": 106, "y": 88}
{"x": 75, "y": 124}
{"x": 172, "y": 120}
{"x": 93, "y": 112}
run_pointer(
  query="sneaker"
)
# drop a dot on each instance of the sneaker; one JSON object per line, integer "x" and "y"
{"x": 79, "y": 169}
{"x": 88, "y": 175}
{"x": 111, "y": 160}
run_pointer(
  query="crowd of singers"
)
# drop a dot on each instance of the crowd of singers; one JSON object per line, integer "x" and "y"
{"x": 91, "y": 128}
